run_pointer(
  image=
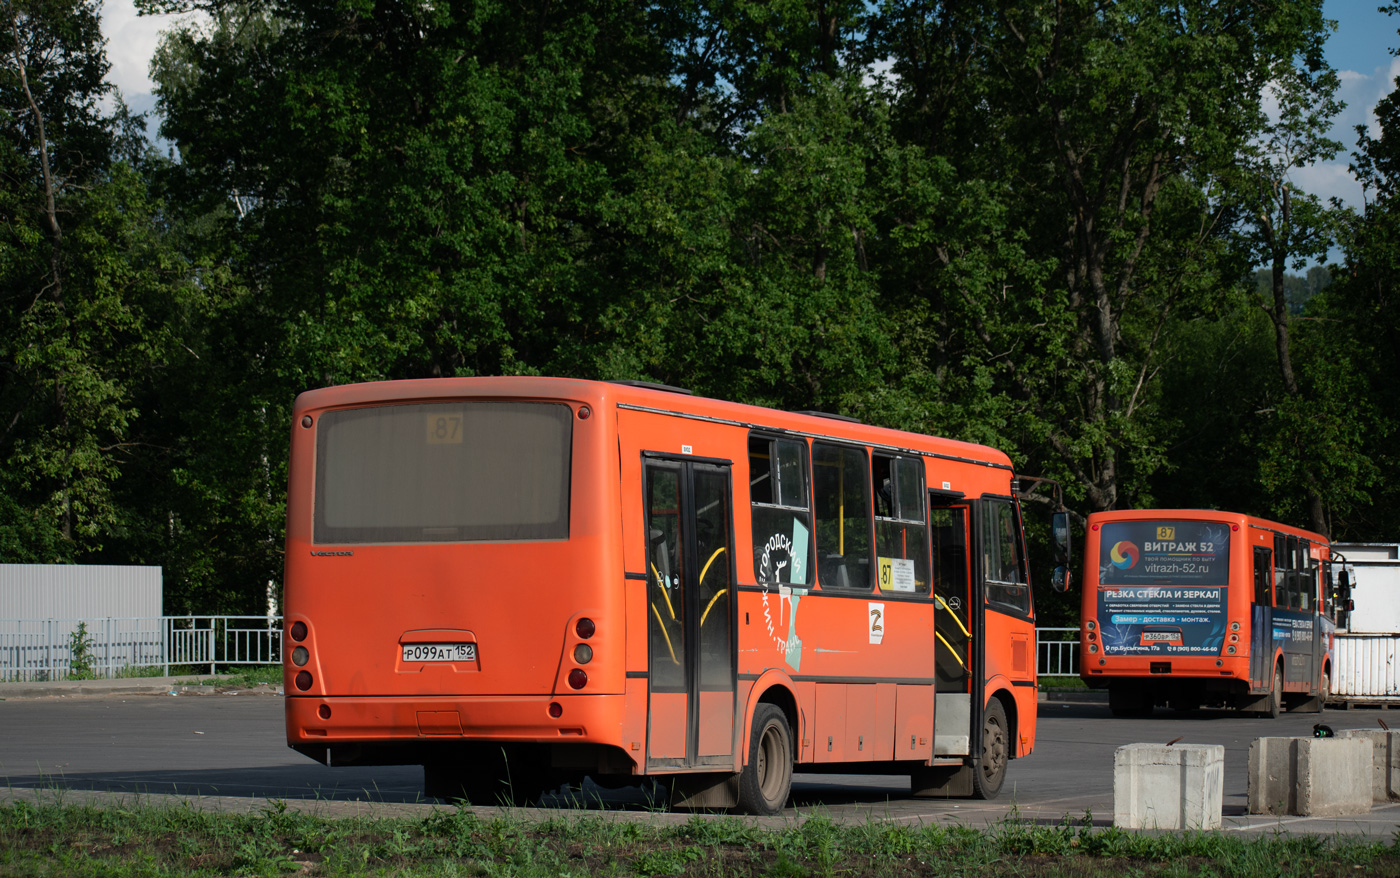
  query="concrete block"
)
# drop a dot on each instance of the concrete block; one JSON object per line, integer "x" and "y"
{"x": 1310, "y": 777}
{"x": 1385, "y": 761}
{"x": 1168, "y": 787}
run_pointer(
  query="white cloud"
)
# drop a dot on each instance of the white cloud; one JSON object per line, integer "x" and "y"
{"x": 131, "y": 41}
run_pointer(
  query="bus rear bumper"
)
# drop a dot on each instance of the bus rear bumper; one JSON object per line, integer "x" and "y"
{"x": 323, "y": 721}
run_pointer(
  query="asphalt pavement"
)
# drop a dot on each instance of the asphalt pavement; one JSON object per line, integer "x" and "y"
{"x": 175, "y": 740}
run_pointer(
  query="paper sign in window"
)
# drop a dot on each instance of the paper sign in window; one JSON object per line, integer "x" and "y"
{"x": 444, "y": 429}
{"x": 897, "y": 574}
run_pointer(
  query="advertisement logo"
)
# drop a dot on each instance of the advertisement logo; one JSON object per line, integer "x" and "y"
{"x": 1123, "y": 554}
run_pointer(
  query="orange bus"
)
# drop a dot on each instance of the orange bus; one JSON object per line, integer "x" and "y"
{"x": 520, "y": 582}
{"x": 1190, "y": 607}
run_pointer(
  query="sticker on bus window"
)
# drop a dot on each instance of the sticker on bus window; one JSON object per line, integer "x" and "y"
{"x": 897, "y": 574}
{"x": 444, "y": 428}
{"x": 799, "y": 553}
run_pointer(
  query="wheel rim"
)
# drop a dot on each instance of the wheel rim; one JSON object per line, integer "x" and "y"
{"x": 993, "y": 751}
{"x": 769, "y": 765}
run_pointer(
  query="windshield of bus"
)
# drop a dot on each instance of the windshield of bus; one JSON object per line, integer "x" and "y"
{"x": 443, "y": 472}
{"x": 1162, "y": 586}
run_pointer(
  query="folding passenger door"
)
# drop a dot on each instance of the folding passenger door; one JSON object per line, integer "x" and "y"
{"x": 1261, "y": 638}
{"x": 690, "y": 609}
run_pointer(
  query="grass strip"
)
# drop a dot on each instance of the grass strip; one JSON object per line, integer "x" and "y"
{"x": 73, "y": 840}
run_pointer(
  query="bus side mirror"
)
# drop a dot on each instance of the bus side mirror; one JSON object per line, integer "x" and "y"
{"x": 1059, "y": 528}
{"x": 1059, "y": 579}
{"x": 1344, "y": 580}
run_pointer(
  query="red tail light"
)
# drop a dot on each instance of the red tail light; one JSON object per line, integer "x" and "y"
{"x": 577, "y": 678}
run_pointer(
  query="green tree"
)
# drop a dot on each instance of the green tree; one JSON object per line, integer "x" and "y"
{"x": 1103, "y": 132}
{"x": 80, "y": 330}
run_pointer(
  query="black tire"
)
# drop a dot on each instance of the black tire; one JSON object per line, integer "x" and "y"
{"x": 766, "y": 780}
{"x": 990, "y": 771}
{"x": 1276, "y": 695}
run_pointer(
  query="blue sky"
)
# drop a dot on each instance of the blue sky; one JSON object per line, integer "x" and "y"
{"x": 1359, "y": 50}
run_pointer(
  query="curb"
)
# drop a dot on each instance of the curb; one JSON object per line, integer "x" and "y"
{"x": 1078, "y": 696}
{"x": 150, "y": 686}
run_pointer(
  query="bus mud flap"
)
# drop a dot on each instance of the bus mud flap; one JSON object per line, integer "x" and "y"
{"x": 702, "y": 791}
{"x": 941, "y": 782}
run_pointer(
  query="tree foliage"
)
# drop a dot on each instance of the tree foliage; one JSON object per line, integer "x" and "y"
{"x": 1034, "y": 226}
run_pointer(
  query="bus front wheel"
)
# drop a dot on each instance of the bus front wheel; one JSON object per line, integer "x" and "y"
{"x": 766, "y": 780}
{"x": 990, "y": 770}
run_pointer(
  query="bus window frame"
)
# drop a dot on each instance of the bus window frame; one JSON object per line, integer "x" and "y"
{"x": 984, "y": 506}
{"x": 772, "y": 438}
{"x": 871, "y": 586}
{"x": 922, "y": 505}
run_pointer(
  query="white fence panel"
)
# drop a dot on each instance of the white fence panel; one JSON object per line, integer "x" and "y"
{"x": 1057, "y": 652}
{"x": 44, "y": 649}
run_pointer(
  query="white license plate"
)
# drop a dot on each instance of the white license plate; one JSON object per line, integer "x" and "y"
{"x": 1160, "y": 637}
{"x": 439, "y": 652}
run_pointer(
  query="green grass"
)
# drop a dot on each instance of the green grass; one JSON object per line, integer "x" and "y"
{"x": 1061, "y": 683}
{"x": 251, "y": 675}
{"x": 57, "y": 840}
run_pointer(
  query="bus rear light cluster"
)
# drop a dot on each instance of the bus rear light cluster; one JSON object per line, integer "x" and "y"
{"x": 301, "y": 655}
{"x": 582, "y": 654}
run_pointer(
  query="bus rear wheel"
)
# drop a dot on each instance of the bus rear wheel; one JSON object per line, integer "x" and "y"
{"x": 766, "y": 780}
{"x": 990, "y": 770}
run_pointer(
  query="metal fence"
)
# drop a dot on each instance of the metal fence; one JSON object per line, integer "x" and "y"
{"x": 44, "y": 649}
{"x": 1057, "y": 652}
{"x": 56, "y": 649}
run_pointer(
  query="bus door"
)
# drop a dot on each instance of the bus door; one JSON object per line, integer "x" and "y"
{"x": 954, "y": 625}
{"x": 1261, "y": 640}
{"x": 690, "y": 609}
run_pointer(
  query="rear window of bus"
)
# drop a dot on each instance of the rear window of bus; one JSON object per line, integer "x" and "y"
{"x": 443, "y": 472}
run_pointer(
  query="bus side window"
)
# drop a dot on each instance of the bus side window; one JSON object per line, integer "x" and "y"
{"x": 1001, "y": 557}
{"x": 1263, "y": 585}
{"x": 782, "y": 529}
{"x": 901, "y": 536}
{"x": 1281, "y": 571}
{"x": 840, "y": 479}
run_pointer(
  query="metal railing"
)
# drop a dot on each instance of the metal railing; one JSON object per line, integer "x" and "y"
{"x": 43, "y": 649}
{"x": 1057, "y": 652}
{"x": 56, "y": 649}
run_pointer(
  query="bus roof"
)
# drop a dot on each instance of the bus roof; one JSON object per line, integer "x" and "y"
{"x": 1239, "y": 518}
{"x": 667, "y": 401}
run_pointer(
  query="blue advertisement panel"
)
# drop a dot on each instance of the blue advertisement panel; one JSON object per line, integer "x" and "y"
{"x": 1162, "y": 587}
